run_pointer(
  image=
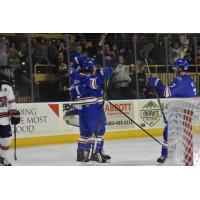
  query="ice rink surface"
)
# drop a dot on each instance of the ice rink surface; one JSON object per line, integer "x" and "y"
{"x": 132, "y": 152}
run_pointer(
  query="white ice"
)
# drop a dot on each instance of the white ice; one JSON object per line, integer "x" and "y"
{"x": 133, "y": 152}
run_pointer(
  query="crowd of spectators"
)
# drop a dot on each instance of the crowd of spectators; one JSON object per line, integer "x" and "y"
{"x": 116, "y": 50}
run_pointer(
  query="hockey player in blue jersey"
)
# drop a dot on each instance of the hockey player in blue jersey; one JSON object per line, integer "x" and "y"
{"x": 88, "y": 96}
{"x": 76, "y": 66}
{"x": 181, "y": 87}
{"x": 78, "y": 62}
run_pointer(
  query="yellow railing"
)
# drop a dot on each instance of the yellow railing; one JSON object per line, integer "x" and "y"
{"x": 42, "y": 77}
{"x": 168, "y": 77}
{"x": 45, "y": 77}
{"x": 170, "y": 66}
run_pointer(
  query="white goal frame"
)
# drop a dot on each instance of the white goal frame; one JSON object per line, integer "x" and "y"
{"x": 184, "y": 131}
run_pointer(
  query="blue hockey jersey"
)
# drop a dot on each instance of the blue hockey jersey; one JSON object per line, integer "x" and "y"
{"x": 182, "y": 87}
{"x": 87, "y": 90}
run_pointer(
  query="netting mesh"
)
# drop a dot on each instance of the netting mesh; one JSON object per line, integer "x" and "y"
{"x": 184, "y": 132}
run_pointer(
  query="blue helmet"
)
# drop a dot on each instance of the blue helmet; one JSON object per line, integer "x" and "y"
{"x": 182, "y": 63}
{"x": 88, "y": 64}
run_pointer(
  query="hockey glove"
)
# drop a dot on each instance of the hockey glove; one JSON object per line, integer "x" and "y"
{"x": 15, "y": 117}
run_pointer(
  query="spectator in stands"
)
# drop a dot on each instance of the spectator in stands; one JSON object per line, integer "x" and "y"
{"x": 148, "y": 46}
{"x": 174, "y": 52}
{"x": 129, "y": 55}
{"x": 158, "y": 53}
{"x": 84, "y": 44}
{"x": 198, "y": 56}
{"x": 71, "y": 40}
{"x": 109, "y": 56}
{"x": 178, "y": 51}
{"x": 120, "y": 80}
{"x": 61, "y": 46}
{"x": 62, "y": 80}
{"x": 19, "y": 68}
{"x": 3, "y": 51}
{"x": 105, "y": 56}
{"x": 13, "y": 53}
{"x": 101, "y": 50}
{"x": 89, "y": 50}
{"x": 52, "y": 51}
{"x": 122, "y": 52}
{"x": 13, "y": 61}
{"x": 184, "y": 48}
{"x": 40, "y": 51}
{"x": 141, "y": 83}
{"x": 121, "y": 40}
{"x": 140, "y": 42}
{"x": 115, "y": 53}
{"x": 190, "y": 57}
{"x": 23, "y": 52}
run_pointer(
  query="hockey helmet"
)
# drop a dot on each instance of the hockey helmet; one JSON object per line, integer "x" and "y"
{"x": 88, "y": 64}
{"x": 182, "y": 63}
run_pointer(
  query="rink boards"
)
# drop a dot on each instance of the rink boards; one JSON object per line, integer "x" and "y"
{"x": 43, "y": 123}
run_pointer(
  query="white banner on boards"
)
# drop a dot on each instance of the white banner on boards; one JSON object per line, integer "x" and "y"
{"x": 46, "y": 119}
{"x": 117, "y": 120}
{"x": 38, "y": 119}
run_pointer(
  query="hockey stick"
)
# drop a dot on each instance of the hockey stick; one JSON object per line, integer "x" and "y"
{"x": 159, "y": 102}
{"x": 136, "y": 123}
{"x": 15, "y": 142}
{"x": 129, "y": 119}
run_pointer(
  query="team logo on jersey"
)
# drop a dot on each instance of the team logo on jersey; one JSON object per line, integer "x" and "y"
{"x": 150, "y": 113}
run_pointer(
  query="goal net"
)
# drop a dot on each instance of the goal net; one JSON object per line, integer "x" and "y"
{"x": 184, "y": 132}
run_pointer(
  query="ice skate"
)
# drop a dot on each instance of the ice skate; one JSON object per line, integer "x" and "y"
{"x": 161, "y": 159}
{"x": 4, "y": 162}
{"x": 97, "y": 157}
{"x": 82, "y": 156}
{"x": 104, "y": 155}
